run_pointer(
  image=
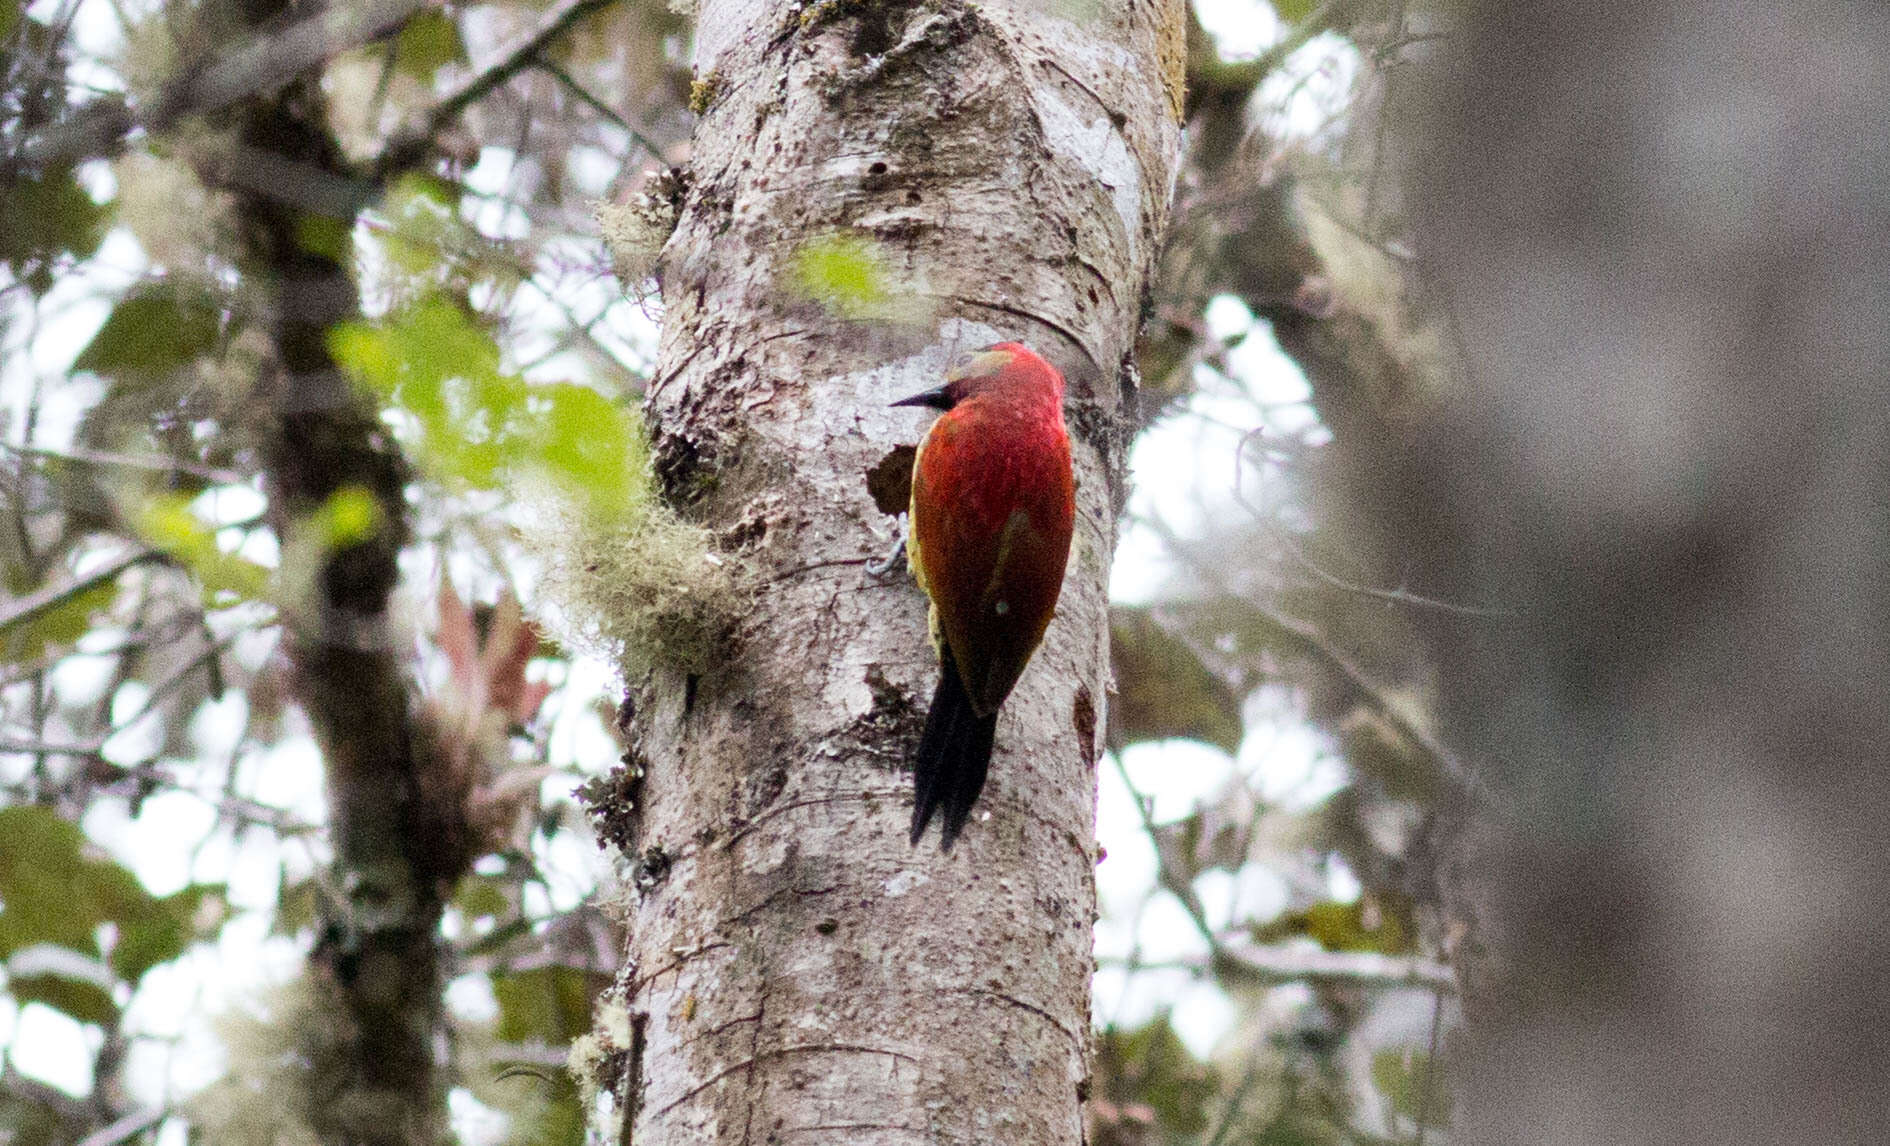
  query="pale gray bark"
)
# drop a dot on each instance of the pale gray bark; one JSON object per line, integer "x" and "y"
{"x": 797, "y": 972}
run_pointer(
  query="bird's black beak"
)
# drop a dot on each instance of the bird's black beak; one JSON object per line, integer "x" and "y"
{"x": 938, "y": 398}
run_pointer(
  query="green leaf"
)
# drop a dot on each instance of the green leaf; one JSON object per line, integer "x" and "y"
{"x": 58, "y": 626}
{"x": 296, "y": 907}
{"x": 426, "y": 231}
{"x": 1403, "y": 1076}
{"x": 549, "y": 1004}
{"x": 45, "y": 216}
{"x": 350, "y": 514}
{"x": 43, "y": 883}
{"x": 1150, "y": 1066}
{"x": 1292, "y": 12}
{"x": 1163, "y": 690}
{"x": 167, "y": 522}
{"x": 64, "y": 980}
{"x": 560, "y": 1122}
{"x": 324, "y": 235}
{"x": 479, "y": 427}
{"x": 162, "y": 932}
{"x": 588, "y": 445}
{"x": 157, "y": 329}
{"x": 429, "y": 41}
{"x": 1369, "y": 924}
{"x": 54, "y": 895}
{"x": 481, "y": 898}
{"x": 26, "y": 1122}
{"x": 844, "y": 273}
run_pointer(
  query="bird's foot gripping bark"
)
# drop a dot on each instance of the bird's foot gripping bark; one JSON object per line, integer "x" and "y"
{"x": 881, "y": 567}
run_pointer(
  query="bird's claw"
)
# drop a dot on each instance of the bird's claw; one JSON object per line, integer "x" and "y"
{"x": 882, "y": 566}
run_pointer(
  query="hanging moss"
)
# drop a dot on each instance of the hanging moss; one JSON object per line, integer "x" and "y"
{"x": 648, "y": 589}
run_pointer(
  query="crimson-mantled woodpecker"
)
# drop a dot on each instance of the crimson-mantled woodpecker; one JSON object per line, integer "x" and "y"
{"x": 993, "y": 505}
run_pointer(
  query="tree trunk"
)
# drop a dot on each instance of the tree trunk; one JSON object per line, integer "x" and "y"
{"x": 375, "y": 970}
{"x": 1661, "y": 228}
{"x": 796, "y": 971}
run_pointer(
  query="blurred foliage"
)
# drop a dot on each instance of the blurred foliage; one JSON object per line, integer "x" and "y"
{"x": 481, "y": 427}
{"x": 73, "y": 926}
{"x": 168, "y": 523}
{"x": 160, "y": 327}
{"x": 1361, "y": 925}
{"x": 1162, "y": 688}
{"x": 849, "y": 276}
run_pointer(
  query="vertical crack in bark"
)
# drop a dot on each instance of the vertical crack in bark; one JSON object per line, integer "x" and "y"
{"x": 633, "y": 1077}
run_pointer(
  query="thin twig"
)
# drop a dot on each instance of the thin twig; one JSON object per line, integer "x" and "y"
{"x": 1356, "y": 968}
{"x": 1384, "y": 120}
{"x": 161, "y": 465}
{"x": 584, "y": 96}
{"x": 264, "y": 62}
{"x": 126, "y": 1128}
{"x": 1311, "y": 643}
{"x": 53, "y": 596}
{"x": 1298, "y": 553}
{"x": 1319, "y": 20}
{"x": 1430, "y": 1069}
{"x": 1170, "y": 879}
{"x": 520, "y": 57}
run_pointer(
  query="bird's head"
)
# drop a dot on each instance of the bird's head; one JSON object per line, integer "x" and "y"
{"x": 1008, "y": 370}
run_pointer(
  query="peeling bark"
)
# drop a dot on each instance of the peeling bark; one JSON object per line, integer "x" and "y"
{"x": 799, "y": 972}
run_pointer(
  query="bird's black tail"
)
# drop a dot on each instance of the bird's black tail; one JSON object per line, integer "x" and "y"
{"x": 954, "y": 755}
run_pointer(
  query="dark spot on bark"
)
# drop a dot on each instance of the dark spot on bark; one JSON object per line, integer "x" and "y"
{"x": 1082, "y": 1090}
{"x": 689, "y": 693}
{"x": 887, "y": 696}
{"x": 1117, "y": 118}
{"x": 683, "y": 468}
{"x": 878, "y": 29}
{"x": 651, "y": 868}
{"x": 626, "y": 713}
{"x": 890, "y": 481}
{"x": 878, "y": 168}
{"x": 827, "y": 926}
{"x": 914, "y": 198}
{"x": 1083, "y": 721}
{"x": 745, "y": 533}
{"x": 1093, "y": 296}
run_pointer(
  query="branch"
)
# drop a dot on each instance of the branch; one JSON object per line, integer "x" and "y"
{"x": 584, "y": 96}
{"x": 1314, "y": 646}
{"x": 401, "y": 150}
{"x": 1355, "y": 968}
{"x": 1248, "y": 73}
{"x": 126, "y": 1128}
{"x": 160, "y": 465}
{"x": 1298, "y": 552}
{"x": 262, "y": 63}
{"x": 53, "y": 596}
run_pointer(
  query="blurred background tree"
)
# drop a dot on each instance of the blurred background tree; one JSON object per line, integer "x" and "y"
{"x": 294, "y": 299}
